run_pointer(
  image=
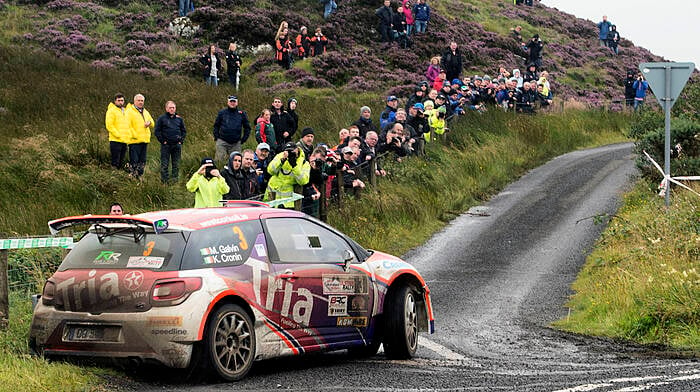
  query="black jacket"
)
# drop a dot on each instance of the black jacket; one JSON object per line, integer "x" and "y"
{"x": 283, "y": 122}
{"x": 534, "y": 49}
{"x": 452, "y": 62}
{"x": 419, "y": 125}
{"x": 385, "y": 15}
{"x": 398, "y": 22}
{"x": 629, "y": 87}
{"x": 232, "y": 126}
{"x": 170, "y": 129}
{"x": 206, "y": 62}
{"x": 233, "y": 62}
{"x": 365, "y": 126}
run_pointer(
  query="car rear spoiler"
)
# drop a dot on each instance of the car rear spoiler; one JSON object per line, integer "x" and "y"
{"x": 57, "y": 225}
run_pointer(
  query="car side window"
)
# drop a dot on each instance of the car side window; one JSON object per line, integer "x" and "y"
{"x": 221, "y": 246}
{"x": 296, "y": 240}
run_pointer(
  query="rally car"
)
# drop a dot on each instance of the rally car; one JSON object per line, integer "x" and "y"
{"x": 219, "y": 288}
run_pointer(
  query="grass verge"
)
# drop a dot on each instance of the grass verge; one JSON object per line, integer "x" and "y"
{"x": 642, "y": 282}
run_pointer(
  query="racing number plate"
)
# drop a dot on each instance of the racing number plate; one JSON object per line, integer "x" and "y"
{"x": 91, "y": 333}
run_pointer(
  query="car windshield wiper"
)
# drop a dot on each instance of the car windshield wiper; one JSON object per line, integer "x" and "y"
{"x": 103, "y": 232}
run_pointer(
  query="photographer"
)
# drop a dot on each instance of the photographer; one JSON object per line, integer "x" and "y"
{"x": 640, "y": 91}
{"x": 288, "y": 168}
{"x": 393, "y": 141}
{"x": 321, "y": 167}
{"x": 534, "y": 49}
{"x": 207, "y": 185}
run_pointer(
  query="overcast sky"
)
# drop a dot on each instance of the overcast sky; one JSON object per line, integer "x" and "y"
{"x": 669, "y": 28}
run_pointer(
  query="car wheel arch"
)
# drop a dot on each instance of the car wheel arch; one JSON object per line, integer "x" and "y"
{"x": 220, "y": 301}
{"x": 412, "y": 281}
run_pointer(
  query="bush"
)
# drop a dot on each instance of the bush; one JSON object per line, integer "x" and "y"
{"x": 685, "y": 149}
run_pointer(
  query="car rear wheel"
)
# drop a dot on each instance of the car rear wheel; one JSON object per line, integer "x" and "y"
{"x": 230, "y": 342}
{"x": 401, "y": 334}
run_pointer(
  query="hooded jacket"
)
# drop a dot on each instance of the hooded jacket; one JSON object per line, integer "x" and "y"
{"x": 235, "y": 179}
{"x": 207, "y": 192}
{"x": 265, "y": 133}
{"x": 117, "y": 124}
{"x": 285, "y": 176}
{"x": 137, "y": 119}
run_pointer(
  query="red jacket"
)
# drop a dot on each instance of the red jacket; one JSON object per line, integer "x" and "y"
{"x": 318, "y": 45}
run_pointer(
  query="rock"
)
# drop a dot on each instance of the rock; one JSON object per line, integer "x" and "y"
{"x": 183, "y": 27}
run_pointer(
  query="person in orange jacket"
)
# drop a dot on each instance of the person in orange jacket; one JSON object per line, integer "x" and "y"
{"x": 303, "y": 43}
{"x": 284, "y": 50}
{"x": 318, "y": 43}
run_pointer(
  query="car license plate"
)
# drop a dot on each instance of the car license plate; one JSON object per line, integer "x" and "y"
{"x": 86, "y": 333}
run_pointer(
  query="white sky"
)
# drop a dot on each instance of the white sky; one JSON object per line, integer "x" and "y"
{"x": 668, "y": 28}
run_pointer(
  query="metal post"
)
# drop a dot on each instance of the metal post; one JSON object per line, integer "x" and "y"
{"x": 667, "y": 142}
{"x": 4, "y": 291}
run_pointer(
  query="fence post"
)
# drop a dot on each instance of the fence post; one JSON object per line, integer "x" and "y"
{"x": 561, "y": 106}
{"x": 341, "y": 189}
{"x": 373, "y": 171}
{"x": 297, "y": 203}
{"x": 4, "y": 291}
{"x": 322, "y": 207}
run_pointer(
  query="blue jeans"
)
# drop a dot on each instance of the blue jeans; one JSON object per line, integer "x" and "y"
{"x": 329, "y": 8}
{"x": 212, "y": 81}
{"x": 170, "y": 152}
{"x": 421, "y": 25}
{"x": 638, "y": 104}
{"x": 184, "y": 7}
{"x": 409, "y": 29}
{"x": 137, "y": 158}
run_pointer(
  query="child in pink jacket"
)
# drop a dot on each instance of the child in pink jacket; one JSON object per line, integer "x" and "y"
{"x": 408, "y": 11}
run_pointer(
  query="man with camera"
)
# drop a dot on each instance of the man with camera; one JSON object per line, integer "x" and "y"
{"x": 534, "y": 50}
{"x": 322, "y": 165}
{"x": 207, "y": 185}
{"x": 640, "y": 91}
{"x": 287, "y": 169}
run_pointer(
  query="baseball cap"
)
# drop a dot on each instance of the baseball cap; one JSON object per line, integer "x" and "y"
{"x": 441, "y": 96}
{"x": 207, "y": 161}
{"x": 346, "y": 150}
{"x": 419, "y": 106}
{"x": 232, "y": 98}
{"x": 391, "y": 98}
{"x": 263, "y": 146}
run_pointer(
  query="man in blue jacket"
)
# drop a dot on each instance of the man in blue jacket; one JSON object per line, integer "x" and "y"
{"x": 170, "y": 132}
{"x": 603, "y": 30}
{"x": 421, "y": 14}
{"x": 640, "y": 91}
{"x": 231, "y": 129}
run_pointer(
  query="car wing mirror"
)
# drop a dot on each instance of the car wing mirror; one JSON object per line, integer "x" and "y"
{"x": 348, "y": 257}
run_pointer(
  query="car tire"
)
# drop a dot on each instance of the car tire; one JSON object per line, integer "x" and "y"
{"x": 230, "y": 342}
{"x": 401, "y": 331}
{"x": 365, "y": 351}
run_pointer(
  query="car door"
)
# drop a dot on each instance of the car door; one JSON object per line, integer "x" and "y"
{"x": 321, "y": 300}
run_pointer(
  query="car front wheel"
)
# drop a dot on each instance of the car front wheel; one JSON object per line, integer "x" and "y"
{"x": 230, "y": 342}
{"x": 401, "y": 334}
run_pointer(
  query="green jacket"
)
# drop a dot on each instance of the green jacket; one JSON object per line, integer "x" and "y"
{"x": 284, "y": 177}
{"x": 207, "y": 193}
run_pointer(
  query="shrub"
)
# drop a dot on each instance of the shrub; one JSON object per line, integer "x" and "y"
{"x": 685, "y": 149}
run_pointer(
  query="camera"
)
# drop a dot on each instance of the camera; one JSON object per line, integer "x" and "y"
{"x": 395, "y": 140}
{"x": 318, "y": 162}
{"x": 441, "y": 115}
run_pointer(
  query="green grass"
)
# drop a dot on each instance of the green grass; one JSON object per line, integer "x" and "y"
{"x": 642, "y": 282}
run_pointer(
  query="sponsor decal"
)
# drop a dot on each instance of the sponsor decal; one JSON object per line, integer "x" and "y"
{"x": 260, "y": 248}
{"x": 352, "y": 321}
{"x": 223, "y": 219}
{"x": 107, "y": 257}
{"x": 164, "y": 321}
{"x": 387, "y": 264}
{"x": 344, "y": 284}
{"x": 170, "y": 331}
{"x": 104, "y": 288}
{"x": 337, "y": 305}
{"x": 145, "y": 262}
{"x": 133, "y": 280}
{"x": 222, "y": 254}
{"x": 358, "y": 303}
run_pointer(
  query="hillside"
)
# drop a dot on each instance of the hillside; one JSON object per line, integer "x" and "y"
{"x": 134, "y": 36}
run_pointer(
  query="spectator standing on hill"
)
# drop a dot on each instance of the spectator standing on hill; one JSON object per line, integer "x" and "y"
{"x": 318, "y": 43}
{"x": 284, "y": 50}
{"x": 531, "y": 74}
{"x": 287, "y": 169}
{"x": 364, "y": 123}
{"x": 433, "y": 69}
{"x": 306, "y": 143}
{"x": 184, "y": 7}
{"x": 235, "y": 177}
{"x": 283, "y": 123}
{"x": 518, "y": 78}
{"x": 613, "y": 39}
{"x": 207, "y": 185}
{"x": 251, "y": 176}
{"x": 141, "y": 124}
{"x": 212, "y": 66}
{"x": 170, "y": 132}
{"x": 452, "y": 61}
{"x": 416, "y": 119}
{"x": 116, "y": 209}
{"x": 603, "y": 30}
{"x": 231, "y": 129}
{"x": 417, "y": 97}
{"x": 399, "y": 28}
{"x": 303, "y": 43}
{"x": 629, "y": 88}
{"x": 292, "y": 110}
{"x": 261, "y": 160}
{"x": 386, "y": 17}
{"x": 421, "y": 14}
{"x": 408, "y": 12}
{"x": 119, "y": 130}
{"x": 329, "y": 7}
{"x": 516, "y": 33}
{"x": 534, "y": 51}
{"x": 349, "y": 168}
{"x": 265, "y": 131}
{"x": 233, "y": 65}
{"x": 388, "y": 116}
{"x": 640, "y": 91}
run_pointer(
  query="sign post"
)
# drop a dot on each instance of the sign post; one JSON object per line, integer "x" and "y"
{"x": 666, "y": 81}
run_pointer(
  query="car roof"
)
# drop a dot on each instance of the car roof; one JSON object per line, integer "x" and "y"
{"x": 202, "y": 218}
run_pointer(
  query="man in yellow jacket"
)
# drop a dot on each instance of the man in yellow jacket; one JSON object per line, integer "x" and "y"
{"x": 287, "y": 169}
{"x": 208, "y": 185}
{"x": 119, "y": 130}
{"x": 141, "y": 124}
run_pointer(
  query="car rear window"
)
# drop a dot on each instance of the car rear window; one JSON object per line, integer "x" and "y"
{"x": 150, "y": 251}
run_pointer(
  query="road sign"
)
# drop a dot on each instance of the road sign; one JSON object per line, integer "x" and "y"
{"x": 667, "y": 80}
{"x": 26, "y": 243}
{"x": 655, "y": 74}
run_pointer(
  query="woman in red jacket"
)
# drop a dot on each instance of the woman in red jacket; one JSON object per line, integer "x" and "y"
{"x": 284, "y": 50}
{"x": 318, "y": 43}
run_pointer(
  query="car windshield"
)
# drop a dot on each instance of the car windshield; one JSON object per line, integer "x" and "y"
{"x": 126, "y": 248}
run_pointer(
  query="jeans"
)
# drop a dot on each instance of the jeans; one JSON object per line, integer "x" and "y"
{"x": 168, "y": 152}
{"x": 329, "y": 8}
{"x": 421, "y": 25}
{"x": 137, "y": 158}
{"x": 184, "y": 7}
{"x": 118, "y": 152}
{"x": 638, "y": 104}
{"x": 212, "y": 80}
{"x": 409, "y": 29}
{"x": 603, "y": 43}
{"x": 224, "y": 149}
